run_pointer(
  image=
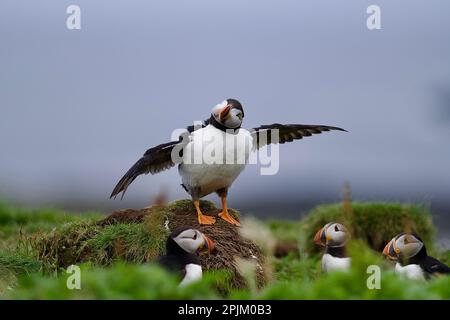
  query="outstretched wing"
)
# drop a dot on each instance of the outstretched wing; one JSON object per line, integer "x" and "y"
{"x": 265, "y": 135}
{"x": 154, "y": 160}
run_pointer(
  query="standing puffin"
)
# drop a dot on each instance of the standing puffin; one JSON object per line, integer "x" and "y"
{"x": 202, "y": 179}
{"x": 182, "y": 248}
{"x": 412, "y": 259}
{"x": 333, "y": 236}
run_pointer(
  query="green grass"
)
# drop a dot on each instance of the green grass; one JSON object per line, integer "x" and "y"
{"x": 115, "y": 258}
{"x": 130, "y": 281}
{"x": 16, "y": 220}
{"x": 122, "y": 281}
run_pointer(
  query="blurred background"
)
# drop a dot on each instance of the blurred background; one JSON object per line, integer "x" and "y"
{"x": 79, "y": 107}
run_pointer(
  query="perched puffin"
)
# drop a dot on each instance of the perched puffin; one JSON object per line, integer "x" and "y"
{"x": 333, "y": 236}
{"x": 412, "y": 259}
{"x": 182, "y": 248}
{"x": 202, "y": 179}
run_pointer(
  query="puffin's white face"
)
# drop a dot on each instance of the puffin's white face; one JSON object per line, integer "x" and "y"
{"x": 332, "y": 235}
{"x": 228, "y": 114}
{"x": 404, "y": 245}
{"x": 193, "y": 241}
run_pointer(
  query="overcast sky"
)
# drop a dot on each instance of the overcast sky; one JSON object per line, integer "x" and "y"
{"x": 78, "y": 107}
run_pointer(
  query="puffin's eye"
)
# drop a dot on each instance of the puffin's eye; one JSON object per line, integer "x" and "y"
{"x": 194, "y": 237}
{"x": 336, "y": 228}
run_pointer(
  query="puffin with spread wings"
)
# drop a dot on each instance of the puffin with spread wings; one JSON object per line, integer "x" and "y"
{"x": 202, "y": 178}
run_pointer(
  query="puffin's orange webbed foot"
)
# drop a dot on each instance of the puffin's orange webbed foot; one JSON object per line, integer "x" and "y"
{"x": 206, "y": 220}
{"x": 203, "y": 219}
{"x": 225, "y": 215}
{"x": 228, "y": 218}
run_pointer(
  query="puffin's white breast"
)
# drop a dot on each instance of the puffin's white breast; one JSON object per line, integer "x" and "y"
{"x": 330, "y": 263}
{"x": 213, "y": 159}
{"x": 193, "y": 273}
{"x": 411, "y": 271}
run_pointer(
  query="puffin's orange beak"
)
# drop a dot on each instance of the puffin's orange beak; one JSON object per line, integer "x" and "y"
{"x": 224, "y": 113}
{"x": 390, "y": 252}
{"x": 209, "y": 244}
{"x": 320, "y": 237}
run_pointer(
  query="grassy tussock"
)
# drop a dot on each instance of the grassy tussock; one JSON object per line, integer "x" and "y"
{"x": 87, "y": 241}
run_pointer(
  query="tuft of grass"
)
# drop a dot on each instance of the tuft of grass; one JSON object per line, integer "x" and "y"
{"x": 129, "y": 242}
{"x": 18, "y": 263}
{"x": 14, "y": 264}
{"x": 375, "y": 223}
{"x": 292, "y": 267}
{"x": 82, "y": 241}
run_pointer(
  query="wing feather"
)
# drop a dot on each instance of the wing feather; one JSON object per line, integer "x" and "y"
{"x": 263, "y": 135}
{"x": 154, "y": 160}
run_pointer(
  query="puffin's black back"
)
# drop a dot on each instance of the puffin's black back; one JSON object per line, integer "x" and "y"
{"x": 428, "y": 264}
{"x": 434, "y": 266}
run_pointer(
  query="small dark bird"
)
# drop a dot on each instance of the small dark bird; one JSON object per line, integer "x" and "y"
{"x": 333, "y": 236}
{"x": 202, "y": 179}
{"x": 182, "y": 249}
{"x": 412, "y": 260}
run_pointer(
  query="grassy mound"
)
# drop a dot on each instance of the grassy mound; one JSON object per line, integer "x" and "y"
{"x": 375, "y": 223}
{"x": 139, "y": 236}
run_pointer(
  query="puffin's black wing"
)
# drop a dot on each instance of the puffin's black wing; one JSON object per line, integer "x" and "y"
{"x": 434, "y": 266}
{"x": 154, "y": 160}
{"x": 263, "y": 136}
{"x": 171, "y": 263}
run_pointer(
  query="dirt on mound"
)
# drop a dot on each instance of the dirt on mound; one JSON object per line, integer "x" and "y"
{"x": 139, "y": 236}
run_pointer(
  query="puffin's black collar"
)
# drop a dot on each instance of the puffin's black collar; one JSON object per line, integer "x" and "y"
{"x": 220, "y": 126}
{"x": 183, "y": 257}
{"x": 338, "y": 252}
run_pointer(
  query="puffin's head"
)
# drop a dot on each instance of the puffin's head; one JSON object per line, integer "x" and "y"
{"x": 192, "y": 240}
{"x": 404, "y": 246}
{"x": 332, "y": 235}
{"x": 229, "y": 113}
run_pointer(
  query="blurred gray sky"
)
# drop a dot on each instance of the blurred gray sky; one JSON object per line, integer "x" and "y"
{"x": 79, "y": 107}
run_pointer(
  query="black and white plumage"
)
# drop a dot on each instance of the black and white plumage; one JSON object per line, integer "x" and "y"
{"x": 334, "y": 237}
{"x": 182, "y": 248}
{"x": 201, "y": 179}
{"x": 412, "y": 260}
